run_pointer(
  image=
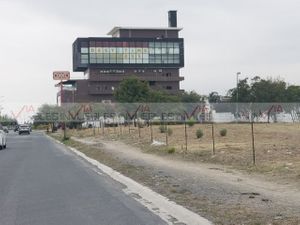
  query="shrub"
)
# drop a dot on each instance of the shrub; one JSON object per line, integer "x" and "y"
{"x": 191, "y": 122}
{"x": 199, "y": 133}
{"x": 162, "y": 129}
{"x": 223, "y": 132}
{"x": 170, "y": 131}
{"x": 171, "y": 150}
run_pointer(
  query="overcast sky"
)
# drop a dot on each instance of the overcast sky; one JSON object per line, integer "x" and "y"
{"x": 254, "y": 37}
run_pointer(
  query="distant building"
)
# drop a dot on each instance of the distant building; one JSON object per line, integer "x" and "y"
{"x": 154, "y": 55}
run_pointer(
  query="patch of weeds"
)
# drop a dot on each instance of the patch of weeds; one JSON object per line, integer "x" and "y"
{"x": 199, "y": 133}
{"x": 223, "y": 132}
{"x": 171, "y": 150}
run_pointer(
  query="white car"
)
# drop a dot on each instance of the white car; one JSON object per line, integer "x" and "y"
{"x": 2, "y": 139}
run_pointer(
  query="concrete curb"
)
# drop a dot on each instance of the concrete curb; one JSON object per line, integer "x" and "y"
{"x": 167, "y": 210}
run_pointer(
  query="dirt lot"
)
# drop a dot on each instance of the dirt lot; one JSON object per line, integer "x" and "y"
{"x": 276, "y": 145}
{"x": 225, "y": 188}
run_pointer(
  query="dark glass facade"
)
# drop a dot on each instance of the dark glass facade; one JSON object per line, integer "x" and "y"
{"x": 127, "y": 53}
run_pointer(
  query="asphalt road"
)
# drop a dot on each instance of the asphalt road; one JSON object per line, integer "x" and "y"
{"x": 42, "y": 183}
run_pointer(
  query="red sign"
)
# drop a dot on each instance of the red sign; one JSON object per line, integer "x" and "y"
{"x": 61, "y": 75}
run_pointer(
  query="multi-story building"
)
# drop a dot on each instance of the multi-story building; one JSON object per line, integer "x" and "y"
{"x": 154, "y": 55}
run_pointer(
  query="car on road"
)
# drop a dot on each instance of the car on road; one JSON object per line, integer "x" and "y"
{"x": 24, "y": 129}
{"x": 2, "y": 139}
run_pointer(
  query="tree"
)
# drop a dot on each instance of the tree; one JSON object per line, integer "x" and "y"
{"x": 264, "y": 90}
{"x": 191, "y": 97}
{"x": 293, "y": 93}
{"x": 269, "y": 90}
{"x": 214, "y": 97}
{"x": 160, "y": 96}
{"x": 132, "y": 90}
{"x": 243, "y": 92}
{"x": 5, "y": 120}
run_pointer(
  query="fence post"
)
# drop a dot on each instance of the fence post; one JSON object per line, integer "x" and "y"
{"x": 65, "y": 130}
{"x": 129, "y": 127}
{"x": 119, "y": 126}
{"x": 139, "y": 129}
{"x": 94, "y": 128}
{"x": 115, "y": 127}
{"x": 185, "y": 135}
{"x": 253, "y": 144}
{"x": 166, "y": 127}
{"x": 103, "y": 125}
{"x": 213, "y": 137}
{"x": 151, "y": 131}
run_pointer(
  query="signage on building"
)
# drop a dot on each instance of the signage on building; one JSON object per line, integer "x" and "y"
{"x": 61, "y": 75}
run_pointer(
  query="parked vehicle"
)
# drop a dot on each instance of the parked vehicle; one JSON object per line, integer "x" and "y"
{"x": 24, "y": 129}
{"x": 2, "y": 139}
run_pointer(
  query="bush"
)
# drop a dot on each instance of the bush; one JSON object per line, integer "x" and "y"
{"x": 171, "y": 150}
{"x": 170, "y": 131}
{"x": 162, "y": 128}
{"x": 223, "y": 132}
{"x": 191, "y": 122}
{"x": 199, "y": 133}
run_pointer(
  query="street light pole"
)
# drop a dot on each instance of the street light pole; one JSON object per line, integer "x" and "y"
{"x": 237, "y": 94}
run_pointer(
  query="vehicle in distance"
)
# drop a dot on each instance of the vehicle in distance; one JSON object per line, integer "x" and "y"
{"x": 2, "y": 139}
{"x": 24, "y": 129}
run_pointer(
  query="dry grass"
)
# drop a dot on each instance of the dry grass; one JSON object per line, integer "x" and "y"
{"x": 277, "y": 145}
{"x": 273, "y": 143}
